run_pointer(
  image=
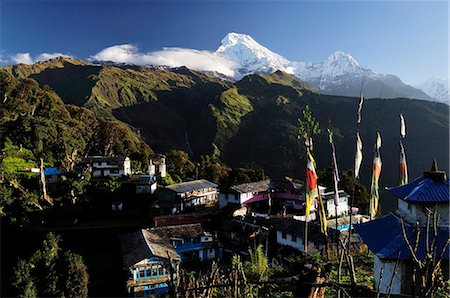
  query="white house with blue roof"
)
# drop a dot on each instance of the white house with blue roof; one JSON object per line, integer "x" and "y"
{"x": 384, "y": 236}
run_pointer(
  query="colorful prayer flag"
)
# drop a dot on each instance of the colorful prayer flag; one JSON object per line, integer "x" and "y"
{"x": 403, "y": 166}
{"x": 311, "y": 182}
{"x": 322, "y": 216}
{"x": 376, "y": 171}
{"x": 358, "y": 155}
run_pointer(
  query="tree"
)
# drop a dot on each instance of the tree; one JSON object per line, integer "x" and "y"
{"x": 51, "y": 272}
{"x": 76, "y": 276}
{"x": 179, "y": 164}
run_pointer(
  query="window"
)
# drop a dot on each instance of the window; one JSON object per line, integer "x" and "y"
{"x": 283, "y": 235}
{"x": 294, "y": 238}
{"x": 149, "y": 272}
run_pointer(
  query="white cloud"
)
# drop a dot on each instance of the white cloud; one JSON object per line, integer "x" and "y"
{"x": 173, "y": 57}
{"x": 26, "y": 58}
{"x": 48, "y": 56}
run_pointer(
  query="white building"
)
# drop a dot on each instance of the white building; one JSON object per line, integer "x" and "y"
{"x": 149, "y": 260}
{"x": 290, "y": 232}
{"x": 103, "y": 166}
{"x": 189, "y": 195}
{"x": 342, "y": 207}
{"x": 385, "y": 239}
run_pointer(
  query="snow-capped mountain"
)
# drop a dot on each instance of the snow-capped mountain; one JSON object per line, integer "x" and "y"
{"x": 340, "y": 74}
{"x": 437, "y": 88}
{"x": 249, "y": 56}
{"x": 239, "y": 55}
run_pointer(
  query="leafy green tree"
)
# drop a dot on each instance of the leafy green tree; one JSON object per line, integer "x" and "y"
{"x": 51, "y": 272}
{"x": 308, "y": 126}
{"x": 75, "y": 275}
{"x": 23, "y": 280}
{"x": 76, "y": 184}
{"x": 179, "y": 165}
{"x": 212, "y": 170}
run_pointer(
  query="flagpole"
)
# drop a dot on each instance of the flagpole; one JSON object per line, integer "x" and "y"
{"x": 358, "y": 122}
{"x": 305, "y": 236}
{"x": 335, "y": 179}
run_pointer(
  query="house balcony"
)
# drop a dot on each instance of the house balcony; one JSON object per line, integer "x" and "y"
{"x": 148, "y": 281}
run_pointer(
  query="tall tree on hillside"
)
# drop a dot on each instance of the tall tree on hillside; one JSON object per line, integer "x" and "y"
{"x": 50, "y": 272}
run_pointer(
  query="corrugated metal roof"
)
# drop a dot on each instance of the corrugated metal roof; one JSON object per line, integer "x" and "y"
{"x": 423, "y": 190}
{"x": 52, "y": 171}
{"x": 144, "y": 244}
{"x": 191, "y": 186}
{"x": 252, "y": 186}
{"x": 384, "y": 238}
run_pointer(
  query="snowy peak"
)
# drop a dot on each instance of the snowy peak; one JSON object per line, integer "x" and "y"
{"x": 437, "y": 88}
{"x": 342, "y": 60}
{"x": 232, "y": 39}
{"x": 249, "y": 56}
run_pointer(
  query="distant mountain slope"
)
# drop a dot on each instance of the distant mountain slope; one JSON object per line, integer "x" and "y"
{"x": 266, "y": 133}
{"x": 252, "y": 122}
{"x": 437, "y": 88}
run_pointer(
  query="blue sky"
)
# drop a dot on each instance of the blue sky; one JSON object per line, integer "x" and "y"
{"x": 409, "y": 39}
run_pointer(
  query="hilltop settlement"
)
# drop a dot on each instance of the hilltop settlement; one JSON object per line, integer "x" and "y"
{"x": 127, "y": 181}
{"x": 196, "y": 224}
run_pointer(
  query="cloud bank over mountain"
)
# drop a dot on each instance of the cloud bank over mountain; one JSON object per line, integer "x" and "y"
{"x": 26, "y": 58}
{"x": 172, "y": 57}
{"x": 239, "y": 55}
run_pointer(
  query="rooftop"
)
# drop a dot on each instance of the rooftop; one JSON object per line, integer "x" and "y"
{"x": 52, "y": 171}
{"x": 252, "y": 186}
{"x": 110, "y": 159}
{"x": 191, "y": 186}
{"x": 432, "y": 187}
{"x": 384, "y": 238}
{"x": 186, "y": 231}
{"x": 144, "y": 244}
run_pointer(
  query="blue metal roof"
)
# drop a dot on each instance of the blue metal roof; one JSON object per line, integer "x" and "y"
{"x": 52, "y": 171}
{"x": 384, "y": 238}
{"x": 423, "y": 190}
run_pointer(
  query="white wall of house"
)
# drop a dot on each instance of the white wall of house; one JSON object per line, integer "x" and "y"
{"x": 108, "y": 173}
{"x": 297, "y": 243}
{"x": 342, "y": 207}
{"x": 415, "y": 212}
{"x": 389, "y": 272}
{"x": 146, "y": 188}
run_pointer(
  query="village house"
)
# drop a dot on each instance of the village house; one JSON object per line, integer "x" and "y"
{"x": 53, "y": 176}
{"x": 188, "y": 196}
{"x": 253, "y": 195}
{"x": 144, "y": 183}
{"x": 151, "y": 263}
{"x": 290, "y": 232}
{"x": 342, "y": 207}
{"x": 103, "y": 166}
{"x": 147, "y": 183}
{"x": 237, "y": 235}
{"x": 191, "y": 241}
{"x": 274, "y": 197}
{"x": 385, "y": 238}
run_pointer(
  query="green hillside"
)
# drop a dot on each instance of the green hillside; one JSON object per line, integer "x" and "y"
{"x": 35, "y": 118}
{"x": 249, "y": 123}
